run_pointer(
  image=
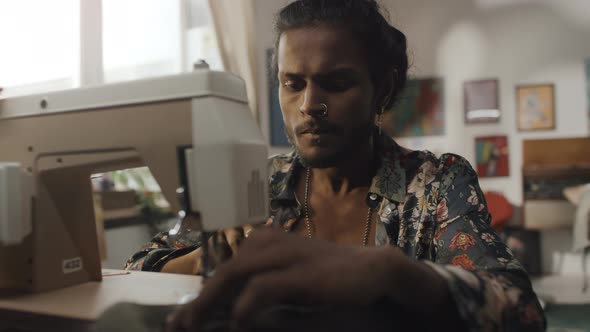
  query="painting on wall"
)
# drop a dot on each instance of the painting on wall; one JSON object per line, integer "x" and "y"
{"x": 535, "y": 107}
{"x": 481, "y": 102}
{"x": 277, "y": 126}
{"x": 492, "y": 158}
{"x": 419, "y": 110}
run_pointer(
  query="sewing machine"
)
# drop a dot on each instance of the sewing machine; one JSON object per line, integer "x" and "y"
{"x": 193, "y": 131}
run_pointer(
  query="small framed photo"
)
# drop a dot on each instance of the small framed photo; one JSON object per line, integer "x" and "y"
{"x": 492, "y": 157}
{"x": 535, "y": 107}
{"x": 481, "y": 102}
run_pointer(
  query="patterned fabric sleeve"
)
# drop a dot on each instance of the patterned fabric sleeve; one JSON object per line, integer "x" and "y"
{"x": 161, "y": 249}
{"x": 491, "y": 289}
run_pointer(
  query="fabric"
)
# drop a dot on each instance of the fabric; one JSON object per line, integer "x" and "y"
{"x": 434, "y": 211}
{"x": 235, "y": 28}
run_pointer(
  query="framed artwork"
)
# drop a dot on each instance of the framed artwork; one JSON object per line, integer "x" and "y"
{"x": 535, "y": 107}
{"x": 278, "y": 137}
{"x": 419, "y": 110}
{"x": 492, "y": 158}
{"x": 481, "y": 102}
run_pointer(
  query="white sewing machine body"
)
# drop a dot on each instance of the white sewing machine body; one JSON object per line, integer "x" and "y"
{"x": 56, "y": 141}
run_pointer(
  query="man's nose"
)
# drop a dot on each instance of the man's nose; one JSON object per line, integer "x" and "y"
{"x": 313, "y": 103}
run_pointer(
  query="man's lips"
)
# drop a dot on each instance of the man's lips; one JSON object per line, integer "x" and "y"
{"x": 317, "y": 129}
{"x": 316, "y": 132}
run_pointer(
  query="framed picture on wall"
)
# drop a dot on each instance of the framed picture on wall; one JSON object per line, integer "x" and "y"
{"x": 492, "y": 158}
{"x": 481, "y": 102}
{"x": 419, "y": 110}
{"x": 535, "y": 107}
{"x": 277, "y": 127}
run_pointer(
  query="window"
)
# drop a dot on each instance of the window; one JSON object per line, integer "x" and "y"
{"x": 122, "y": 40}
{"x": 200, "y": 38}
{"x": 156, "y": 37}
{"x": 38, "y": 51}
{"x": 141, "y": 38}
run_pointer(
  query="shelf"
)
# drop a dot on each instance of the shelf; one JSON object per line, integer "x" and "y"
{"x": 555, "y": 171}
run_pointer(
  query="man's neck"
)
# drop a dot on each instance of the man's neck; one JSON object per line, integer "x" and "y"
{"x": 348, "y": 175}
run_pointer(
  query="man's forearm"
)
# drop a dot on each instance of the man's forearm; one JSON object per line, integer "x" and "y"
{"x": 186, "y": 264}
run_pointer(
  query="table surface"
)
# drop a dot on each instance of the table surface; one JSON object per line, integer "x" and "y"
{"x": 89, "y": 300}
{"x": 561, "y": 289}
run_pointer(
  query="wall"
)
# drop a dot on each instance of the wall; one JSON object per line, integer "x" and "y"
{"x": 459, "y": 40}
{"x": 520, "y": 44}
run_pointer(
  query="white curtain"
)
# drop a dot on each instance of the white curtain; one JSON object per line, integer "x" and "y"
{"x": 234, "y": 25}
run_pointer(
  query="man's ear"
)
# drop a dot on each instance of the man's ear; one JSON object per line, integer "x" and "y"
{"x": 385, "y": 91}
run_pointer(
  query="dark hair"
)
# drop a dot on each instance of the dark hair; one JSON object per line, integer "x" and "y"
{"x": 385, "y": 45}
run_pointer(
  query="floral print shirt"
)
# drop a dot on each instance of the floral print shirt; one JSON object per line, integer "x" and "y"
{"x": 434, "y": 211}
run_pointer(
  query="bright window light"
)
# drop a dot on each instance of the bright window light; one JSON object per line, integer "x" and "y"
{"x": 141, "y": 38}
{"x": 39, "y": 42}
{"x": 200, "y": 37}
{"x": 40, "y": 45}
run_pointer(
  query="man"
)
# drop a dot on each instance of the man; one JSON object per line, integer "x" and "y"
{"x": 365, "y": 223}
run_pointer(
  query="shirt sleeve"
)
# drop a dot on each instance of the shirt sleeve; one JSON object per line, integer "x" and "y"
{"x": 490, "y": 287}
{"x": 161, "y": 249}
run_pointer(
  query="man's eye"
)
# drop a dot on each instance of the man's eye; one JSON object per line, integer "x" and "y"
{"x": 337, "y": 85}
{"x": 295, "y": 85}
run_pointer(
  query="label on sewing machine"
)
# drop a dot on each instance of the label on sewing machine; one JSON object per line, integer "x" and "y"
{"x": 71, "y": 265}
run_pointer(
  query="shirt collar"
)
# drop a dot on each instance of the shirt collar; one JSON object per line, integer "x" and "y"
{"x": 389, "y": 180}
{"x": 283, "y": 180}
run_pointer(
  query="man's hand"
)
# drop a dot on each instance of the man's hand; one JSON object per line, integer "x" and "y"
{"x": 273, "y": 267}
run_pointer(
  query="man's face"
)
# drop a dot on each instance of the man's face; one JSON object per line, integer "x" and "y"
{"x": 324, "y": 64}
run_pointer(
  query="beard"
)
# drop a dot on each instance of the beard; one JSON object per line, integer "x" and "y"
{"x": 348, "y": 143}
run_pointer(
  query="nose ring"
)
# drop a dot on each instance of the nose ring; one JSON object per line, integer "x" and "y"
{"x": 322, "y": 114}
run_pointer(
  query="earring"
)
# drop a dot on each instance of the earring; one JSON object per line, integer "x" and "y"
{"x": 325, "y": 112}
{"x": 383, "y": 109}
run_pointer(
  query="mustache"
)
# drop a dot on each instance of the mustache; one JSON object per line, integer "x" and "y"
{"x": 317, "y": 127}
